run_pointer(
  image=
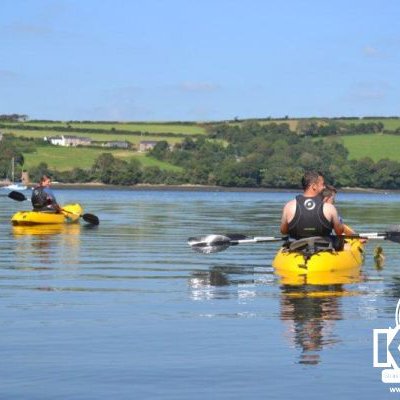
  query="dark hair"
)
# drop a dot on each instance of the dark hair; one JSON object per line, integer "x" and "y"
{"x": 44, "y": 177}
{"x": 309, "y": 178}
{"x": 329, "y": 191}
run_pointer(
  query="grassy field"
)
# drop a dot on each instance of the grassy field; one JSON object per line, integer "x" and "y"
{"x": 375, "y": 146}
{"x": 63, "y": 158}
{"x": 66, "y": 158}
{"x": 187, "y": 129}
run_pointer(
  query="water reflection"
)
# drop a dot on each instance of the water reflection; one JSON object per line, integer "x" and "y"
{"x": 308, "y": 310}
{"x": 214, "y": 282}
{"x": 310, "y": 303}
{"x": 309, "y": 313}
{"x": 42, "y": 243}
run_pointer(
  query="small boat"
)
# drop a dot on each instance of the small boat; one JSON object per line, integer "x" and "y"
{"x": 315, "y": 259}
{"x": 16, "y": 186}
{"x": 70, "y": 213}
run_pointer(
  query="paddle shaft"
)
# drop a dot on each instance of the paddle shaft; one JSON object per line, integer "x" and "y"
{"x": 265, "y": 239}
{"x": 216, "y": 243}
{"x": 257, "y": 239}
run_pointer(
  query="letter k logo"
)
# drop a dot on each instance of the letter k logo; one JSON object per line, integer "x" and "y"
{"x": 393, "y": 347}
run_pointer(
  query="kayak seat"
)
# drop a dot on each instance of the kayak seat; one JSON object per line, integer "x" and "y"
{"x": 311, "y": 245}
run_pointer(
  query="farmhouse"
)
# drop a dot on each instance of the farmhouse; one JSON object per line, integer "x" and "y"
{"x": 68, "y": 140}
{"x": 146, "y": 145}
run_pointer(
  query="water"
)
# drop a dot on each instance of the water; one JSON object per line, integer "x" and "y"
{"x": 126, "y": 310}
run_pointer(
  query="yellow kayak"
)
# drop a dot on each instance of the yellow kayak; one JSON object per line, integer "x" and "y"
{"x": 70, "y": 213}
{"x": 321, "y": 267}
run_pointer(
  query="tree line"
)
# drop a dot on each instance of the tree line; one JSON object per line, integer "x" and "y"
{"x": 272, "y": 156}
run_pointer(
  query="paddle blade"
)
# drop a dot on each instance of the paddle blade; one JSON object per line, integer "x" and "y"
{"x": 91, "y": 219}
{"x": 393, "y": 234}
{"x": 17, "y": 196}
{"x": 209, "y": 244}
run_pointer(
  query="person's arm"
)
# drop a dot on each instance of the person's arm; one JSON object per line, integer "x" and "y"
{"x": 348, "y": 230}
{"x": 287, "y": 216}
{"x": 52, "y": 199}
{"x": 333, "y": 216}
{"x": 284, "y": 224}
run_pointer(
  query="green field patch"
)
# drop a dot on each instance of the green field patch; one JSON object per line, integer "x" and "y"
{"x": 153, "y": 162}
{"x": 67, "y": 158}
{"x": 375, "y": 146}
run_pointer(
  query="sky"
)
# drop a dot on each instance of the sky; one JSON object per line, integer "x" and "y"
{"x": 199, "y": 60}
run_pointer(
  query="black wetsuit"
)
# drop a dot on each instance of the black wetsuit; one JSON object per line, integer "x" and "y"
{"x": 309, "y": 219}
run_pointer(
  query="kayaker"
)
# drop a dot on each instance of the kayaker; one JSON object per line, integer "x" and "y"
{"x": 43, "y": 198}
{"x": 329, "y": 196}
{"x": 308, "y": 215}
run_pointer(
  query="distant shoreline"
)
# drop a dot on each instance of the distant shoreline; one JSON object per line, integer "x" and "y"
{"x": 196, "y": 188}
{"x": 193, "y": 188}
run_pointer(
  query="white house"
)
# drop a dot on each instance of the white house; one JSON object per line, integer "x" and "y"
{"x": 68, "y": 140}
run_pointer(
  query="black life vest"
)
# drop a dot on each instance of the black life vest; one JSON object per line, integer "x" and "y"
{"x": 309, "y": 219}
{"x": 39, "y": 198}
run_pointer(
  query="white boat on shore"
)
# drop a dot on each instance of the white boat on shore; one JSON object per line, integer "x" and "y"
{"x": 16, "y": 186}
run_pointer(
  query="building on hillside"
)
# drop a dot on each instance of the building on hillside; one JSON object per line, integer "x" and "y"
{"x": 119, "y": 144}
{"x": 56, "y": 140}
{"x": 146, "y": 145}
{"x": 68, "y": 140}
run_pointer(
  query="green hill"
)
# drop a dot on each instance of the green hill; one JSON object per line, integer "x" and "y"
{"x": 375, "y": 146}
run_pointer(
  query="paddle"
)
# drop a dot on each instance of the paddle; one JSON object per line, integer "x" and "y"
{"x": 89, "y": 218}
{"x": 215, "y": 243}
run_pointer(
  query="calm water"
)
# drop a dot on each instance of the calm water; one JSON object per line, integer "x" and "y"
{"x": 127, "y": 311}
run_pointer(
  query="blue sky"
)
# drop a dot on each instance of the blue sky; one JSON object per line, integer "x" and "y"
{"x": 159, "y": 60}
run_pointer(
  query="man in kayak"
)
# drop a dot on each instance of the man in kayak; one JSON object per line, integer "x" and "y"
{"x": 43, "y": 198}
{"x": 308, "y": 215}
